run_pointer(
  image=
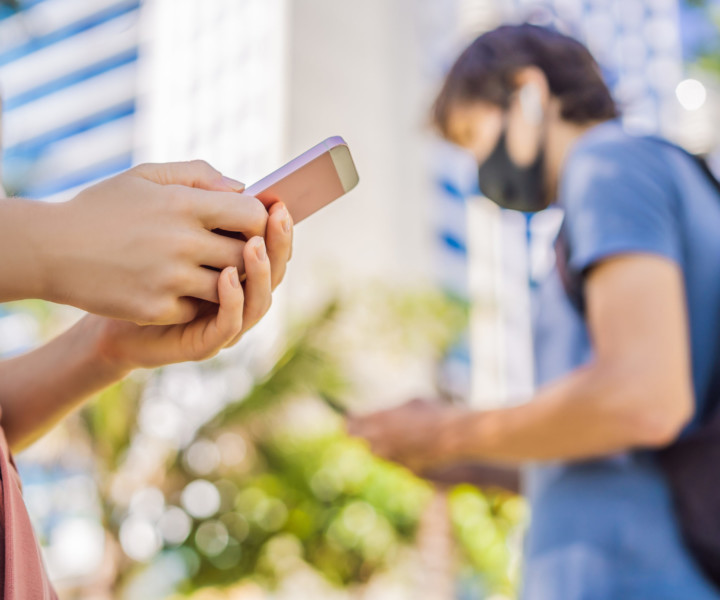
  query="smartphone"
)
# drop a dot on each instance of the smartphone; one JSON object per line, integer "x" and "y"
{"x": 312, "y": 180}
{"x": 307, "y": 183}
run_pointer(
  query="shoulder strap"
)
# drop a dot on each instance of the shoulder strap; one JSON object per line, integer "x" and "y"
{"x": 572, "y": 282}
{"x": 697, "y": 159}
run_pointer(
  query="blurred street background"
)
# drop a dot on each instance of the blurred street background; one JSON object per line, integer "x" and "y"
{"x": 233, "y": 478}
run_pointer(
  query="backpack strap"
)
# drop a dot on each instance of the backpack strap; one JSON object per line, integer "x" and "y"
{"x": 572, "y": 282}
{"x": 698, "y": 159}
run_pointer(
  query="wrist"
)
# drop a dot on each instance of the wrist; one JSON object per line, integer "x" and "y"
{"x": 449, "y": 433}
{"x": 46, "y": 226}
{"x": 22, "y": 272}
{"x": 465, "y": 435}
{"x": 97, "y": 341}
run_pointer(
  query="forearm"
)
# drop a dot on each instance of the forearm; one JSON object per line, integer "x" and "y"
{"x": 24, "y": 238}
{"x": 39, "y": 388}
{"x": 590, "y": 413}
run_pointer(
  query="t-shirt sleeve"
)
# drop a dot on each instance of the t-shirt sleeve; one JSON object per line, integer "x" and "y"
{"x": 620, "y": 198}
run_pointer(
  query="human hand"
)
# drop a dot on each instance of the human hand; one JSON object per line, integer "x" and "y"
{"x": 126, "y": 346}
{"x": 135, "y": 246}
{"x": 416, "y": 434}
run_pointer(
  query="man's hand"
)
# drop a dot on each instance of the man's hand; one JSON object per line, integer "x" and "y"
{"x": 410, "y": 434}
{"x": 136, "y": 246}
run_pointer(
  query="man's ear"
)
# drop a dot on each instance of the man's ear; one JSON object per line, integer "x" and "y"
{"x": 528, "y": 108}
{"x": 533, "y": 78}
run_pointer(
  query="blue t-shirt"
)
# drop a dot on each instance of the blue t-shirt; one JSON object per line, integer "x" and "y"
{"x": 605, "y": 529}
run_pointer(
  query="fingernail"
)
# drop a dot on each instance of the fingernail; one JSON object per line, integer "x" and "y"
{"x": 286, "y": 225}
{"x": 260, "y": 249}
{"x": 234, "y": 278}
{"x": 233, "y": 184}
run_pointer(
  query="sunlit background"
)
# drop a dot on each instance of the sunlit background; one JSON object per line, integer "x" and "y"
{"x": 233, "y": 479}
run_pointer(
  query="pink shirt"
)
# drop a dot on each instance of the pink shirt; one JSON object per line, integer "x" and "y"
{"x": 22, "y": 572}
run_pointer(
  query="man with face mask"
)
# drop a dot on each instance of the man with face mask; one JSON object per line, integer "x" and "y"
{"x": 618, "y": 441}
{"x": 505, "y": 182}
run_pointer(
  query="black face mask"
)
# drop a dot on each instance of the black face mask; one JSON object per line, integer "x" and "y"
{"x": 510, "y": 186}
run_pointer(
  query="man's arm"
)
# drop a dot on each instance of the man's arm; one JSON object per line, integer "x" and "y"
{"x": 636, "y": 392}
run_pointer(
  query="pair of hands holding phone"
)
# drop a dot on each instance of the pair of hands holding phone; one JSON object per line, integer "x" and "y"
{"x": 141, "y": 252}
{"x": 135, "y": 251}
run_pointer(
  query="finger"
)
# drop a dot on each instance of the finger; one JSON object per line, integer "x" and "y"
{"x": 354, "y": 426}
{"x": 228, "y": 321}
{"x": 258, "y": 290}
{"x": 420, "y": 403}
{"x": 204, "y": 285}
{"x": 207, "y": 308}
{"x": 364, "y": 428}
{"x": 229, "y": 211}
{"x": 187, "y": 309}
{"x": 182, "y": 310}
{"x": 230, "y": 315}
{"x": 381, "y": 449}
{"x": 367, "y": 428}
{"x": 218, "y": 251}
{"x": 194, "y": 173}
{"x": 279, "y": 238}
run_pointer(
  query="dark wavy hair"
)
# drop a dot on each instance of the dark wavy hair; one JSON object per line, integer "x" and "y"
{"x": 485, "y": 71}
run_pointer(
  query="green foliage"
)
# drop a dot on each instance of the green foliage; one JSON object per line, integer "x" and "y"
{"x": 110, "y": 421}
{"x": 708, "y": 58}
{"x": 304, "y": 367}
{"x": 486, "y": 526}
{"x": 293, "y": 489}
{"x": 320, "y": 500}
{"x": 43, "y": 313}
